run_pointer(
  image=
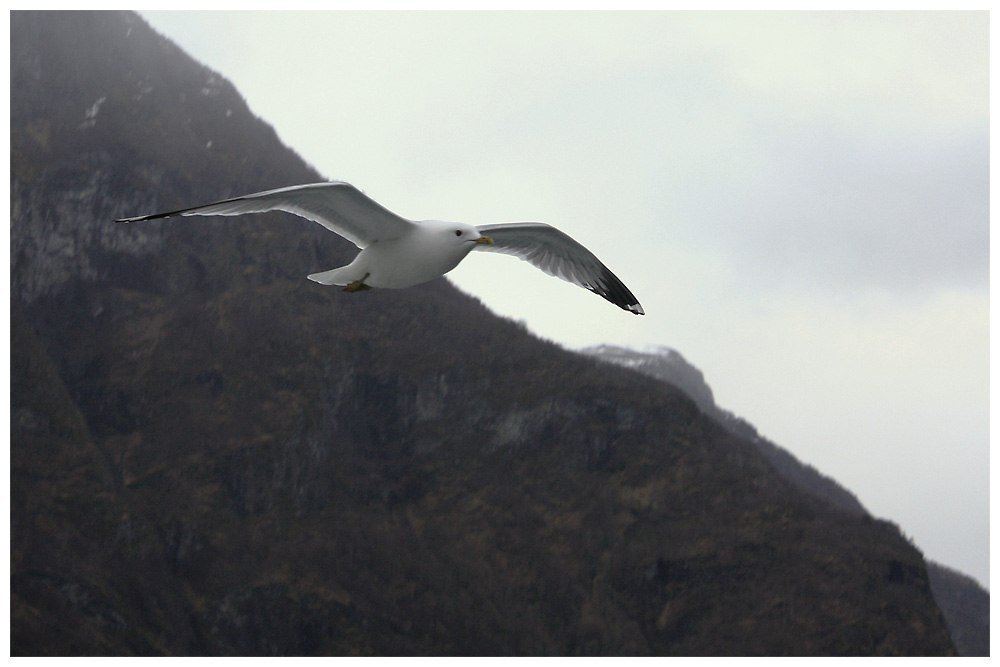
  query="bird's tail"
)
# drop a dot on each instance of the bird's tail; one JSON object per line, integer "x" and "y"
{"x": 332, "y": 277}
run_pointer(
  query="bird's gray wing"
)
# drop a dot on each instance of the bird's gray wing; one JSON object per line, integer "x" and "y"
{"x": 557, "y": 254}
{"x": 338, "y": 206}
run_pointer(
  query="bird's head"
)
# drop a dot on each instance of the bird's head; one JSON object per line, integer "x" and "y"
{"x": 459, "y": 233}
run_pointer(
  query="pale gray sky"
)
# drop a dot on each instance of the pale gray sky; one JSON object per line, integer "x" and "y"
{"x": 799, "y": 200}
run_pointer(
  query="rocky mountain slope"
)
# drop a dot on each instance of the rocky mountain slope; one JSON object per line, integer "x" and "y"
{"x": 212, "y": 456}
{"x": 670, "y": 366}
{"x": 966, "y": 608}
{"x": 964, "y": 603}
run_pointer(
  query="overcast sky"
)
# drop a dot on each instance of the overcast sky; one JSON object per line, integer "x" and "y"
{"x": 799, "y": 201}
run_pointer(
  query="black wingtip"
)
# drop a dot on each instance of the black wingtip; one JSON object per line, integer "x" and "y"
{"x": 614, "y": 290}
{"x": 136, "y": 219}
{"x": 142, "y": 218}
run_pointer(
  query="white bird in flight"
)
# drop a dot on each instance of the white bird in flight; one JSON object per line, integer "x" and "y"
{"x": 397, "y": 253}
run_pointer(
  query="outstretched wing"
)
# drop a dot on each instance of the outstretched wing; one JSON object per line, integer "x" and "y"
{"x": 557, "y": 254}
{"x": 338, "y": 206}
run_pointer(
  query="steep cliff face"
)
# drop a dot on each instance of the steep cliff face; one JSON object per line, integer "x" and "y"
{"x": 211, "y": 455}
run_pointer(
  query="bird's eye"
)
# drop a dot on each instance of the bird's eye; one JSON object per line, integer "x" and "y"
{"x": 458, "y": 232}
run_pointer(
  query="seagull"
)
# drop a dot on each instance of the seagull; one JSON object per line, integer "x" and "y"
{"x": 398, "y": 253}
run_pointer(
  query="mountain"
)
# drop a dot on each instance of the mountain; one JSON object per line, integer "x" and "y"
{"x": 966, "y": 608}
{"x": 668, "y": 365}
{"x": 964, "y": 603}
{"x": 211, "y": 455}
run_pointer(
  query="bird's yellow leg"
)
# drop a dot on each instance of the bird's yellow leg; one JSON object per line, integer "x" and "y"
{"x": 358, "y": 285}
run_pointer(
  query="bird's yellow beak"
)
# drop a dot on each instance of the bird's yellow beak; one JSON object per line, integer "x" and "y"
{"x": 484, "y": 240}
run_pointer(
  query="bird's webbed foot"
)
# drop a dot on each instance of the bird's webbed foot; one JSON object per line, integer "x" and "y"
{"x": 358, "y": 285}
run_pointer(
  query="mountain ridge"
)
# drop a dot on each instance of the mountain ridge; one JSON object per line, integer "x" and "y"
{"x": 669, "y": 365}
